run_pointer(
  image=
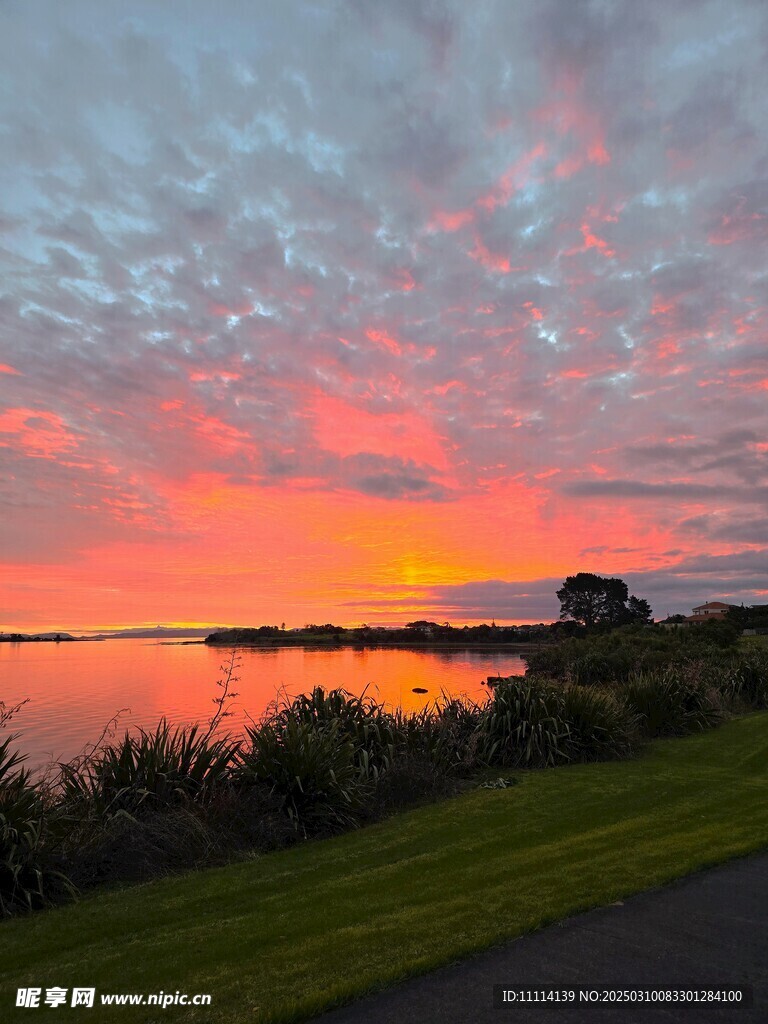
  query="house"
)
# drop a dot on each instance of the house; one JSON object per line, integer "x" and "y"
{"x": 709, "y": 612}
{"x": 712, "y": 611}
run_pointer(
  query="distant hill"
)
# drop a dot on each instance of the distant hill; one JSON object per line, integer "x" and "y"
{"x": 19, "y": 637}
{"x": 158, "y": 633}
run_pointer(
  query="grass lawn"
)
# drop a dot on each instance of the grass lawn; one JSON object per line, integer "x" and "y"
{"x": 760, "y": 641}
{"x": 289, "y": 934}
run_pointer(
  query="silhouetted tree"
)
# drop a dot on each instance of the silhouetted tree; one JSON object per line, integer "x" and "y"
{"x": 599, "y": 600}
{"x": 738, "y": 616}
{"x": 639, "y": 610}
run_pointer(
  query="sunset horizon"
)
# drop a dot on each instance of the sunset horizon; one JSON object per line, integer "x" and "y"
{"x": 376, "y": 622}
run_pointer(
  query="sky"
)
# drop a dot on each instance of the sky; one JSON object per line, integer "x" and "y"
{"x": 365, "y": 311}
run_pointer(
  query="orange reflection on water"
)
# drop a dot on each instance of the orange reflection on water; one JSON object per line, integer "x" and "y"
{"x": 76, "y": 688}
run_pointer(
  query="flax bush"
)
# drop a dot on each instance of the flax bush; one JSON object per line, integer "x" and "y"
{"x": 457, "y": 723}
{"x": 523, "y": 725}
{"x": 22, "y": 876}
{"x": 310, "y": 769}
{"x": 743, "y": 682}
{"x": 374, "y": 733}
{"x": 600, "y": 725}
{"x": 160, "y": 766}
{"x": 671, "y": 703}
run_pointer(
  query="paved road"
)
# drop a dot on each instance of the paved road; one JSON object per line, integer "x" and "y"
{"x": 707, "y": 930}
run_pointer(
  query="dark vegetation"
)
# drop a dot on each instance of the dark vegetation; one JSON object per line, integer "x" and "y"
{"x": 610, "y": 657}
{"x": 421, "y": 632}
{"x": 753, "y": 618}
{"x": 160, "y": 800}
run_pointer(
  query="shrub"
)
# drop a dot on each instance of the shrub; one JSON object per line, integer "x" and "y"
{"x": 160, "y": 766}
{"x": 669, "y": 704}
{"x": 744, "y": 681}
{"x": 373, "y": 732}
{"x": 551, "y": 661}
{"x": 22, "y": 877}
{"x": 522, "y": 725}
{"x": 612, "y": 657}
{"x": 166, "y": 839}
{"x": 446, "y": 733}
{"x": 593, "y": 661}
{"x": 457, "y": 722}
{"x": 310, "y": 769}
{"x": 124, "y": 848}
{"x": 412, "y": 779}
{"x": 600, "y": 726}
{"x": 596, "y": 667}
{"x": 719, "y": 633}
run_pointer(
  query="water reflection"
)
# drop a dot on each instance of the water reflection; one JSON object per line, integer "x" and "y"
{"x": 76, "y": 688}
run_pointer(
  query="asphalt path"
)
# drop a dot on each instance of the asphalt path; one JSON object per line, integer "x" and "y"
{"x": 708, "y": 931}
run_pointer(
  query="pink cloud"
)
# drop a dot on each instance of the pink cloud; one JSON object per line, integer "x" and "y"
{"x": 240, "y": 310}
{"x": 490, "y": 260}
{"x": 205, "y": 375}
{"x": 739, "y": 227}
{"x": 403, "y": 280}
{"x": 385, "y": 340}
{"x": 348, "y": 429}
{"x": 535, "y": 313}
{"x": 39, "y": 434}
{"x": 570, "y": 118}
{"x": 450, "y": 221}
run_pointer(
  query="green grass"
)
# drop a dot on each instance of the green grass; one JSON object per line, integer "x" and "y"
{"x": 760, "y": 641}
{"x": 290, "y": 934}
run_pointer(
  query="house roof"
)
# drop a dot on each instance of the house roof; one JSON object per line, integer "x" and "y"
{"x": 713, "y": 604}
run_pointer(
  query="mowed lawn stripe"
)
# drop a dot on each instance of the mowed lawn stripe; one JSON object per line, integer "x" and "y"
{"x": 288, "y": 934}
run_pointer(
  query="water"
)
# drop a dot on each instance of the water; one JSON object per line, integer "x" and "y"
{"x": 75, "y": 689}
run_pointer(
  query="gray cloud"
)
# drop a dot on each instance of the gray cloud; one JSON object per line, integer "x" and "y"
{"x": 642, "y": 489}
